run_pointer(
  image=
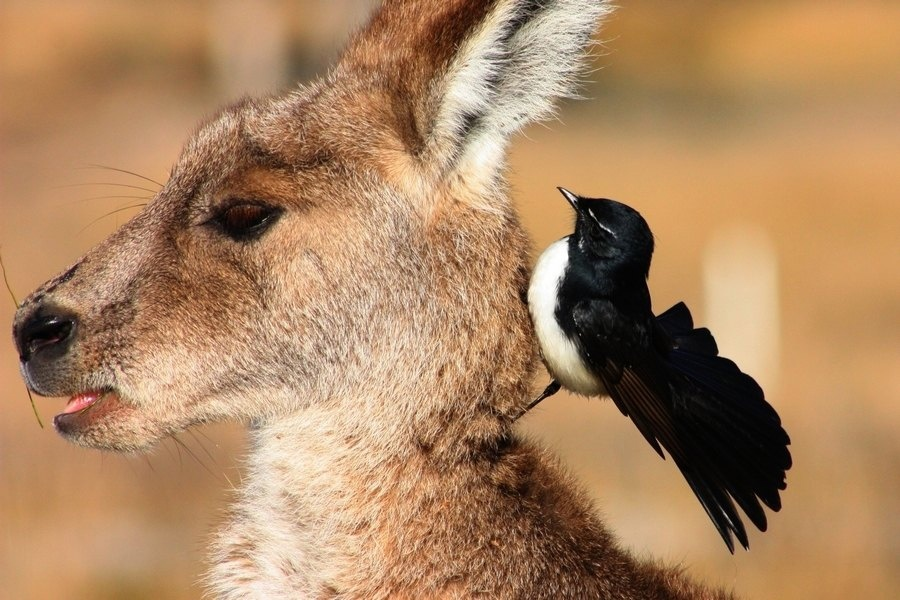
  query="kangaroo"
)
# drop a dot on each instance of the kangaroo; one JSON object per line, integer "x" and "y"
{"x": 341, "y": 268}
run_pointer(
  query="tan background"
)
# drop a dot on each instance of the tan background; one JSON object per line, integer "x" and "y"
{"x": 712, "y": 118}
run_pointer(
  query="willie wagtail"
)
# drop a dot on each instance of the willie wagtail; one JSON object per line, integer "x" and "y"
{"x": 590, "y": 305}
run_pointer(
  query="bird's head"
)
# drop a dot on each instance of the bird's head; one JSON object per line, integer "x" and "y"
{"x": 611, "y": 231}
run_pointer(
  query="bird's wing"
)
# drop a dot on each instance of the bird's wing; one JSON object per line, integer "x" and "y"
{"x": 617, "y": 348}
{"x": 692, "y": 426}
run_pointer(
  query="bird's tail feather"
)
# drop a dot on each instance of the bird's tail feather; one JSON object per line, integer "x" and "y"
{"x": 735, "y": 434}
{"x": 679, "y": 324}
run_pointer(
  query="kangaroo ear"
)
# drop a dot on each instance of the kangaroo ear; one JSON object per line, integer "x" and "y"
{"x": 465, "y": 75}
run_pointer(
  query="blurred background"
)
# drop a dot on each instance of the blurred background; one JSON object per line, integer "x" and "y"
{"x": 759, "y": 139}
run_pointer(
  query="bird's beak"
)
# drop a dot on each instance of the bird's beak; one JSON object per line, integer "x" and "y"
{"x": 572, "y": 198}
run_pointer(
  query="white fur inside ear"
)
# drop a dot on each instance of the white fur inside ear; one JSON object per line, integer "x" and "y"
{"x": 507, "y": 74}
{"x": 467, "y": 89}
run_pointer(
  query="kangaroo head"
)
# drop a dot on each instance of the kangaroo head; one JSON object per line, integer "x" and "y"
{"x": 352, "y": 236}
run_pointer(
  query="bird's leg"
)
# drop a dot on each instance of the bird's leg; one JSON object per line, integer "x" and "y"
{"x": 548, "y": 391}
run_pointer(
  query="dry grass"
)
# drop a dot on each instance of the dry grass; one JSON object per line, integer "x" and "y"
{"x": 782, "y": 115}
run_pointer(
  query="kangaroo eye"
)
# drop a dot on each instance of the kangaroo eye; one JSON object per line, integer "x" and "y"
{"x": 245, "y": 220}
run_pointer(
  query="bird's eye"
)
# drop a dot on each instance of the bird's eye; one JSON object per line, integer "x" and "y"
{"x": 606, "y": 228}
{"x": 245, "y": 220}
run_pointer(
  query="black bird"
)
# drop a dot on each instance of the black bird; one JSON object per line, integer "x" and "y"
{"x": 591, "y": 309}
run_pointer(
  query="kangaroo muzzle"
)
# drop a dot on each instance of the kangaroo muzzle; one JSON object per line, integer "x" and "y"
{"x": 43, "y": 336}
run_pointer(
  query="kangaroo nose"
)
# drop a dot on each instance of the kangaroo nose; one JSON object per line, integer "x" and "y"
{"x": 44, "y": 332}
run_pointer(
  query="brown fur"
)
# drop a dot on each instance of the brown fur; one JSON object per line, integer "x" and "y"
{"x": 376, "y": 339}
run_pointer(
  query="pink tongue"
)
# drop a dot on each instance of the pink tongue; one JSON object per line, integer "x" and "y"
{"x": 80, "y": 402}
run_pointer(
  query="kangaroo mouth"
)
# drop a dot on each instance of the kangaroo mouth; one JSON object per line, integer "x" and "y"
{"x": 102, "y": 418}
{"x": 84, "y": 407}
